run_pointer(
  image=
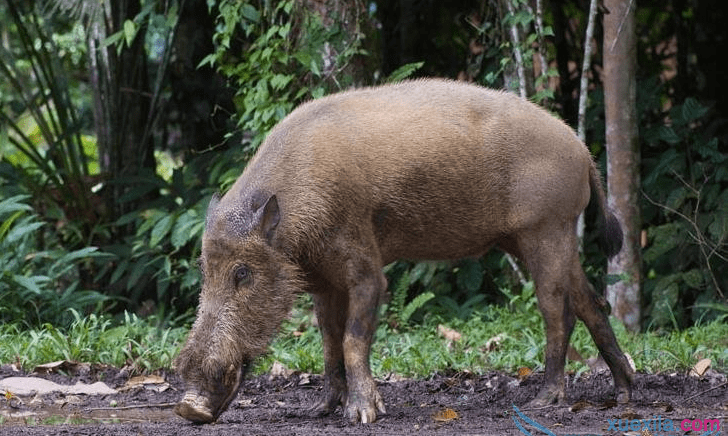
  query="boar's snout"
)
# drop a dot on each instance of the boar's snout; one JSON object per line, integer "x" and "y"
{"x": 213, "y": 389}
{"x": 195, "y": 407}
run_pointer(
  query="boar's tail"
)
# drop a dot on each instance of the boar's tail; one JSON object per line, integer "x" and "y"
{"x": 610, "y": 231}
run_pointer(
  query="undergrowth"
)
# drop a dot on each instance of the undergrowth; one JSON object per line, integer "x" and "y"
{"x": 503, "y": 338}
{"x": 142, "y": 344}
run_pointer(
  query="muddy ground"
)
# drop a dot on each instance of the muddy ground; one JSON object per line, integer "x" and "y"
{"x": 462, "y": 404}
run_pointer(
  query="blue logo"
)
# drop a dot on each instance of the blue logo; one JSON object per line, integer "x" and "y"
{"x": 531, "y": 422}
{"x": 657, "y": 426}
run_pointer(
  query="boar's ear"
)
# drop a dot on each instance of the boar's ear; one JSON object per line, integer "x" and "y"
{"x": 211, "y": 209}
{"x": 267, "y": 218}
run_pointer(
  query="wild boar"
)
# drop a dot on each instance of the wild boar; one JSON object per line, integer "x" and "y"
{"x": 426, "y": 169}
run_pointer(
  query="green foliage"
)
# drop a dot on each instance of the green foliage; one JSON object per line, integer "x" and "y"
{"x": 514, "y": 340}
{"x": 158, "y": 262}
{"x": 39, "y": 286}
{"x": 400, "y": 311}
{"x": 515, "y": 337}
{"x": 40, "y": 127}
{"x": 262, "y": 75}
{"x": 277, "y": 55}
{"x": 497, "y": 61}
{"x": 686, "y": 208}
{"x": 448, "y": 289}
{"x": 143, "y": 344}
{"x": 404, "y": 72}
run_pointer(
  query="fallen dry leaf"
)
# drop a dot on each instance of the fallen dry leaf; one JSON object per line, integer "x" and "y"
{"x": 66, "y": 366}
{"x": 699, "y": 369}
{"x": 279, "y": 370}
{"x": 523, "y": 373}
{"x": 448, "y": 333}
{"x": 445, "y": 415}
{"x": 597, "y": 365}
{"x": 150, "y": 382}
{"x": 304, "y": 379}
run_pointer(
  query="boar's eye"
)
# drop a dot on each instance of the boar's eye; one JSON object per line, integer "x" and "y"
{"x": 242, "y": 275}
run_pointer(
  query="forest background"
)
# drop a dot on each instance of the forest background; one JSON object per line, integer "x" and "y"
{"x": 119, "y": 119}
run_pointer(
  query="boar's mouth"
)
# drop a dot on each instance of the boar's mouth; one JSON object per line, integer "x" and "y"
{"x": 203, "y": 406}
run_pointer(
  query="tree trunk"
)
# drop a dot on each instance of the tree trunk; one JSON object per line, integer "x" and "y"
{"x": 623, "y": 155}
{"x": 121, "y": 102}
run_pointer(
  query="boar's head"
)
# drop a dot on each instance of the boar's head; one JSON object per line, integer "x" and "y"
{"x": 248, "y": 289}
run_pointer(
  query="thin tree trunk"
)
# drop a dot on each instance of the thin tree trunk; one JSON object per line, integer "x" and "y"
{"x": 585, "y": 66}
{"x": 583, "y": 94}
{"x": 516, "y": 44}
{"x": 623, "y": 155}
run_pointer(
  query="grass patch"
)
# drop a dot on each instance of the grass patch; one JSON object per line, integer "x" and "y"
{"x": 413, "y": 350}
{"x": 517, "y": 340}
{"x": 142, "y": 343}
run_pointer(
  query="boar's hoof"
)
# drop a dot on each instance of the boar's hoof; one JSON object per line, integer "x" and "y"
{"x": 327, "y": 405}
{"x": 365, "y": 411}
{"x": 623, "y": 396}
{"x": 195, "y": 408}
{"x": 547, "y": 396}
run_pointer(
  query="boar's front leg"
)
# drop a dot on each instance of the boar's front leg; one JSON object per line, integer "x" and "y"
{"x": 366, "y": 284}
{"x": 330, "y": 304}
{"x": 351, "y": 282}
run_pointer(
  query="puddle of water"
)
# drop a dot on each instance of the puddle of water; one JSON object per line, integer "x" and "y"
{"x": 50, "y": 415}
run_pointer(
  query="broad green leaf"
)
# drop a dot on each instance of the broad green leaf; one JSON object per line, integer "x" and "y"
{"x": 14, "y": 204}
{"x": 692, "y": 110}
{"x": 137, "y": 271}
{"x": 693, "y": 278}
{"x": 160, "y": 230}
{"x": 31, "y": 283}
{"x": 249, "y": 12}
{"x": 8, "y": 222}
{"x": 130, "y": 31}
{"x": 186, "y": 229}
{"x": 662, "y": 239}
{"x": 22, "y": 229}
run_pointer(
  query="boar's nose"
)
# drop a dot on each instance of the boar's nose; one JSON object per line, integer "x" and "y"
{"x": 195, "y": 407}
{"x": 205, "y": 401}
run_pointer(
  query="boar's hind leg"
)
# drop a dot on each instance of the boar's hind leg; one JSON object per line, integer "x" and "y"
{"x": 594, "y": 310}
{"x": 331, "y": 314}
{"x": 548, "y": 253}
{"x": 552, "y": 257}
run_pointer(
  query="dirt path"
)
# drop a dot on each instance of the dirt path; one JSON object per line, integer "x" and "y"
{"x": 462, "y": 404}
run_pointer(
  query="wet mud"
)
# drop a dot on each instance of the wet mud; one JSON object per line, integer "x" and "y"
{"x": 444, "y": 404}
